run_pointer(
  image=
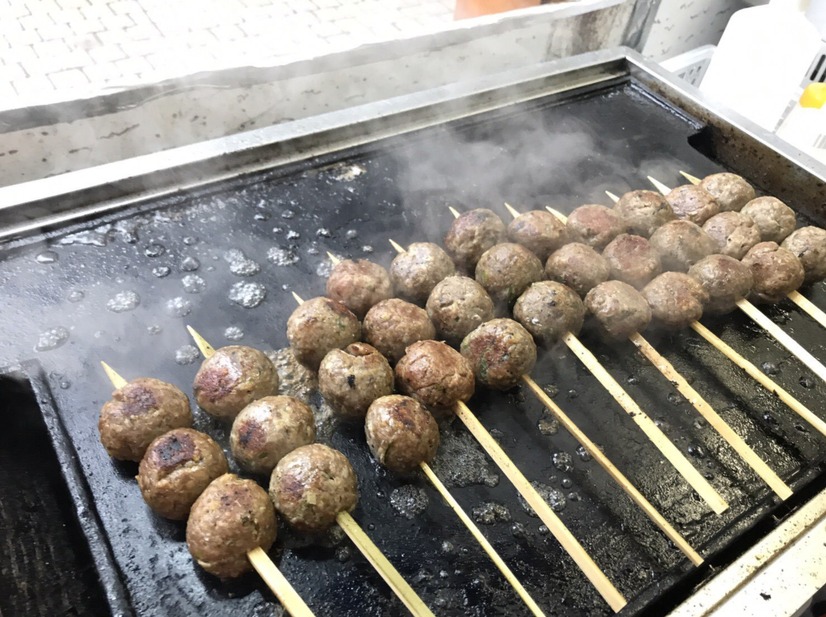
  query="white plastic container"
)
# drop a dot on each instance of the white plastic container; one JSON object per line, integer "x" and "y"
{"x": 805, "y": 126}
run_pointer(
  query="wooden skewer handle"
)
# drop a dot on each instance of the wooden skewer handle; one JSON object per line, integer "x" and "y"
{"x": 279, "y": 585}
{"x": 810, "y": 309}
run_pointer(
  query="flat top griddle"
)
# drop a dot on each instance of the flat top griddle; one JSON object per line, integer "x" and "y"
{"x": 562, "y": 152}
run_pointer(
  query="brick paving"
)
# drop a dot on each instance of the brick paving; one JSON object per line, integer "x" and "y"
{"x": 52, "y": 50}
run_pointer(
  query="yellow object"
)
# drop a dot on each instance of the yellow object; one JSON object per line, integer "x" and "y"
{"x": 813, "y": 96}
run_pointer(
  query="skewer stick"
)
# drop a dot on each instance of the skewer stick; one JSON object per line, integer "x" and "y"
{"x": 690, "y": 178}
{"x": 453, "y": 211}
{"x": 514, "y": 213}
{"x": 259, "y": 559}
{"x": 662, "y": 188}
{"x": 612, "y": 197}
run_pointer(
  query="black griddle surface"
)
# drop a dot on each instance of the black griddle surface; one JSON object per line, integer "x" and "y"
{"x": 561, "y": 154}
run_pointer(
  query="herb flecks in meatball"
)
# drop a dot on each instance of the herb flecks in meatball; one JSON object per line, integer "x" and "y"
{"x": 726, "y": 281}
{"x": 808, "y": 244}
{"x": 500, "y": 351}
{"x": 618, "y": 309}
{"x": 506, "y": 270}
{"x": 539, "y": 231}
{"x": 456, "y": 306}
{"x": 681, "y": 244}
{"x": 777, "y": 272}
{"x": 632, "y": 260}
{"x": 644, "y": 211}
{"x": 731, "y": 191}
{"x": 775, "y": 219}
{"x": 734, "y": 233}
{"x": 578, "y": 266}
{"x": 393, "y": 324}
{"x": 351, "y": 378}
{"x": 595, "y": 225}
{"x": 319, "y": 325}
{"x": 548, "y": 310}
{"x": 471, "y": 234}
{"x": 692, "y": 203}
{"x": 435, "y": 374}
{"x": 676, "y": 299}
{"x": 401, "y": 433}
{"x": 358, "y": 285}
{"x": 418, "y": 270}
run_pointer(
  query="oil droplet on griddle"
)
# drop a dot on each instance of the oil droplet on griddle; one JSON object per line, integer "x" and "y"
{"x": 178, "y": 307}
{"x": 193, "y": 284}
{"x": 562, "y": 461}
{"x": 153, "y": 329}
{"x": 491, "y": 512}
{"x": 190, "y": 240}
{"x": 566, "y": 483}
{"x": 806, "y": 382}
{"x": 75, "y": 295}
{"x": 161, "y": 271}
{"x": 52, "y": 338}
{"x": 409, "y": 500}
{"x": 187, "y": 354}
{"x": 548, "y": 425}
{"x": 554, "y": 498}
{"x": 583, "y": 454}
{"x": 281, "y": 257}
{"x": 154, "y": 250}
{"x": 248, "y": 295}
{"x": 190, "y": 264}
{"x": 233, "y": 333}
{"x": 288, "y": 214}
{"x": 123, "y": 301}
{"x": 673, "y": 398}
{"x": 46, "y": 257}
{"x": 696, "y": 451}
{"x": 770, "y": 368}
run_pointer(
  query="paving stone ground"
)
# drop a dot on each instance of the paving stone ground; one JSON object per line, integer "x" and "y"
{"x": 52, "y": 50}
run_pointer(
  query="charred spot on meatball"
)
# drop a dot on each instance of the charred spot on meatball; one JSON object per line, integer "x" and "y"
{"x": 471, "y": 234}
{"x": 393, "y": 324}
{"x": 595, "y": 225}
{"x": 500, "y": 351}
{"x": 456, "y": 306}
{"x": 676, "y": 299}
{"x": 319, "y": 325}
{"x": 681, "y": 244}
{"x": 731, "y": 191}
{"x": 808, "y": 244}
{"x": 506, "y": 270}
{"x": 539, "y": 231}
{"x": 435, "y": 374}
{"x": 358, "y": 285}
{"x": 578, "y": 266}
{"x": 776, "y": 271}
{"x": 644, "y": 211}
{"x": 416, "y": 271}
{"x": 632, "y": 260}
{"x": 774, "y": 219}
{"x": 725, "y": 279}
{"x": 548, "y": 310}
{"x": 692, "y": 203}
{"x": 401, "y": 433}
{"x": 734, "y": 233}
{"x": 351, "y": 378}
{"x": 618, "y": 309}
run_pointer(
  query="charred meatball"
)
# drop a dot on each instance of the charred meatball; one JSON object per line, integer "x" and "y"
{"x": 456, "y": 306}
{"x": 392, "y": 325}
{"x": 351, "y": 378}
{"x": 401, "y": 433}
{"x": 319, "y": 325}
{"x": 680, "y": 244}
{"x": 676, "y": 299}
{"x": 632, "y": 260}
{"x": 539, "y": 231}
{"x": 231, "y": 517}
{"x": 311, "y": 485}
{"x": 358, "y": 285}
{"x": 731, "y": 191}
{"x": 644, "y": 211}
{"x": 734, "y": 233}
{"x": 232, "y": 378}
{"x": 416, "y": 272}
{"x": 692, "y": 203}
{"x": 506, "y": 270}
{"x": 139, "y": 412}
{"x": 578, "y": 266}
{"x": 472, "y": 234}
{"x": 595, "y": 225}
{"x": 777, "y": 272}
{"x": 500, "y": 351}
{"x": 775, "y": 219}
{"x": 618, "y": 309}
{"x": 549, "y": 310}
{"x": 809, "y": 245}
{"x": 726, "y": 280}
{"x": 435, "y": 374}
{"x": 268, "y": 429}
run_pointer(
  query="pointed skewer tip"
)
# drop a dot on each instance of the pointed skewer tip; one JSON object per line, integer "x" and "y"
{"x": 298, "y": 298}
{"x": 690, "y": 178}
{"x": 205, "y": 348}
{"x": 612, "y": 196}
{"x": 662, "y": 188}
{"x": 396, "y": 246}
{"x": 513, "y": 211}
{"x": 333, "y": 258}
{"x": 454, "y": 212}
{"x": 113, "y": 376}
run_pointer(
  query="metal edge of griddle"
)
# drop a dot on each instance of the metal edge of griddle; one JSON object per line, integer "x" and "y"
{"x": 85, "y": 512}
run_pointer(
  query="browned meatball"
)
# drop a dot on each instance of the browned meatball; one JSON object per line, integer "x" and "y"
{"x": 777, "y": 272}
{"x": 351, "y": 378}
{"x": 548, "y": 310}
{"x": 472, "y": 234}
{"x": 506, "y": 270}
{"x": 416, "y": 272}
{"x": 680, "y": 244}
{"x": 734, "y": 233}
{"x": 435, "y": 374}
{"x": 232, "y": 378}
{"x": 731, "y": 191}
{"x": 595, "y": 225}
{"x": 539, "y": 231}
{"x": 456, "y": 306}
{"x": 809, "y": 245}
{"x": 269, "y": 428}
{"x": 392, "y": 325}
{"x": 644, "y": 211}
{"x": 139, "y": 412}
{"x": 358, "y": 285}
{"x": 319, "y": 325}
{"x": 692, "y": 203}
{"x": 500, "y": 351}
{"x": 401, "y": 433}
{"x": 230, "y": 518}
{"x": 726, "y": 281}
{"x": 176, "y": 469}
{"x": 775, "y": 219}
{"x": 578, "y": 266}
{"x": 618, "y": 309}
{"x": 676, "y": 299}
{"x": 311, "y": 485}
{"x": 632, "y": 260}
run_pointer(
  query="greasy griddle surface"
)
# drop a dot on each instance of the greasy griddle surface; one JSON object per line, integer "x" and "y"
{"x": 563, "y": 154}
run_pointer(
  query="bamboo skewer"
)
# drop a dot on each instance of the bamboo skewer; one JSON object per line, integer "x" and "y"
{"x": 259, "y": 559}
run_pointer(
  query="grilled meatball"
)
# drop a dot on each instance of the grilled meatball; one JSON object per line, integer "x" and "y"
{"x": 231, "y": 517}
{"x": 139, "y": 412}
{"x": 435, "y": 374}
{"x": 500, "y": 351}
{"x": 358, "y": 285}
{"x": 548, "y": 310}
{"x": 417, "y": 271}
{"x": 680, "y": 244}
{"x": 268, "y": 429}
{"x": 456, "y": 306}
{"x": 734, "y": 233}
{"x": 618, "y": 309}
{"x": 676, "y": 299}
{"x": 644, "y": 211}
{"x": 319, "y": 325}
{"x": 472, "y": 234}
{"x": 176, "y": 469}
{"x": 726, "y": 281}
{"x": 730, "y": 190}
{"x": 506, "y": 270}
{"x": 393, "y": 324}
{"x": 595, "y": 225}
{"x": 401, "y": 433}
{"x": 777, "y": 272}
{"x": 632, "y": 260}
{"x": 311, "y": 485}
{"x": 232, "y": 378}
{"x": 351, "y": 378}
{"x": 775, "y": 219}
{"x": 809, "y": 245}
{"x": 578, "y": 266}
{"x": 692, "y": 203}
{"x": 539, "y": 231}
